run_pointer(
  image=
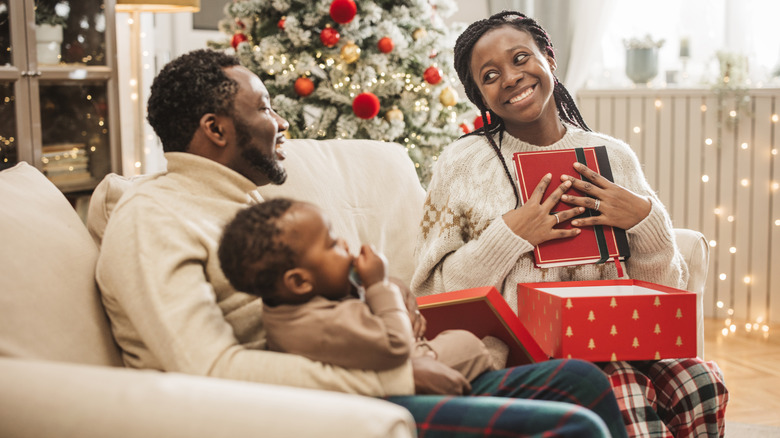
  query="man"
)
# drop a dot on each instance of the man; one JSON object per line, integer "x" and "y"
{"x": 172, "y": 309}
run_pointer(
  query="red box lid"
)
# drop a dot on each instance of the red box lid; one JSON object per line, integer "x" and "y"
{"x": 484, "y": 312}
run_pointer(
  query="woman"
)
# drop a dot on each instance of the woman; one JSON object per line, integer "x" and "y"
{"x": 473, "y": 218}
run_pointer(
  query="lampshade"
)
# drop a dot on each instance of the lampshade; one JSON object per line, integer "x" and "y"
{"x": 158, "y": 5}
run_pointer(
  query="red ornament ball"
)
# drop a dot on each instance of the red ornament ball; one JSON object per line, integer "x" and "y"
{"x": 366, "y": 105}
{"x": 385, "y": 45}
{"x": 237, "y": 39}
{"x": 478, "y": 121}
{"x": 432, "y": 75}
{"x": 304, "y": 86}
{"x": 329, "y": 36}
{"x": 280, "y": 23}
{"x": 343, "y": 11}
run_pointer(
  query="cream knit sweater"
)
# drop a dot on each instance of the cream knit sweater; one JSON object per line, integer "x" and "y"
{"x": 465, "y": 243}
{"x": 170, "y": 305}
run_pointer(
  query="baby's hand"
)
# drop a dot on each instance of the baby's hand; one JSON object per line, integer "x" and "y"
{"x": 371, "y": 266}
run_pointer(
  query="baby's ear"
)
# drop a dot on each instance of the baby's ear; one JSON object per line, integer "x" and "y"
{"x": 298, "y": 281}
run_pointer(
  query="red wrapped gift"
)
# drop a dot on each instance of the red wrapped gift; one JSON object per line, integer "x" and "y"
{"x": 609, "y": 320}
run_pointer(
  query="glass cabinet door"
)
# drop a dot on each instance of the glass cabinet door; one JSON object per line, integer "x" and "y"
{"x": 9, "y": 75}
{"x": 58, "y": 93}
{"x": 8, "y": 151}
{"x": 5, "y": 33}
{"x": 75, "y": 127}
{"x": 70, "y": 32}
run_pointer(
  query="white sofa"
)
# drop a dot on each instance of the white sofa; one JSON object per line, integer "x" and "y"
{"x": 61, "y": 373}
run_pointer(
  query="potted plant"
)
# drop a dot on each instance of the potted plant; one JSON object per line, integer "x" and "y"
{"x": 642, "y": 59}
{"x": 50, "y": 19}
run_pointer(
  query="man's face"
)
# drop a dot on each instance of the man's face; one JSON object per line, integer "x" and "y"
{"x": 259, "y": 131}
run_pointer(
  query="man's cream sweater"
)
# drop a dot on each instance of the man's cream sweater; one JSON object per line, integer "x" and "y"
{"x": 170, "y": 306}
{"x": 465, "y": 243}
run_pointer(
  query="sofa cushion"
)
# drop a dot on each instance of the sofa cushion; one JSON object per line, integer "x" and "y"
{"x": 369, "y": 190}
{"x": 49, "y": 304}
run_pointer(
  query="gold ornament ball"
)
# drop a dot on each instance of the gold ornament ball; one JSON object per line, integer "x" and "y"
{"x": 419, "y": 34}
{"x": 394, "y": 114}
{"x": 350, "y": 52}
{"x": 448, "y": 97}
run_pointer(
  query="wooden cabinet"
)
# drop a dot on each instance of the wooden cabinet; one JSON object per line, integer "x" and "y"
{"x": 58, "y": 90}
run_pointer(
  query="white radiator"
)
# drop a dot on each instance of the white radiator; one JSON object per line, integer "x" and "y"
{"x": 713, "y": 158}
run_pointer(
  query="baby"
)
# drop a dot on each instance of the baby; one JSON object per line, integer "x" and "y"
{"x": 284, "y": 251}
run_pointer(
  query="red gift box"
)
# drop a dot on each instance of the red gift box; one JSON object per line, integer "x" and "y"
{"x": 484, "y": 312}
{"x": 609, "y": 320}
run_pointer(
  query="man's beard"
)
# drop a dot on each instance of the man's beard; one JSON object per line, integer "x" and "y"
{"x": 265, "y": 164}
{"x": 268, "y": 166}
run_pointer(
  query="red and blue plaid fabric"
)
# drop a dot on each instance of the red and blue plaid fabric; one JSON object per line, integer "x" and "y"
{"x": 558, "y": 398}
{"x": 669, "y": 398}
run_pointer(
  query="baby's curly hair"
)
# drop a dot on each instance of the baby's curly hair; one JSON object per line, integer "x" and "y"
{"x": 188, "y": 87}
{"x": 251, "y": 252}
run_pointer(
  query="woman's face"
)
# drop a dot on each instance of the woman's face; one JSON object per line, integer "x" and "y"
{"x": 515, "y": 79}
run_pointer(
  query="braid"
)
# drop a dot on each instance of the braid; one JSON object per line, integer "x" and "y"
{"x": 567, "y": 108}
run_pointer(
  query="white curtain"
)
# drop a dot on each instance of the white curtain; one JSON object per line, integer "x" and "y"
{"x": 587, "y": 21}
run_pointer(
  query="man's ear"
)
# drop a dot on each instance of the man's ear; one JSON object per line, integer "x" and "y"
{"x": 212, "y": 128}
{"x": 298, "y": 281}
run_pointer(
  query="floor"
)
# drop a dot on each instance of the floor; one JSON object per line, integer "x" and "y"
{"x": 750, "y": 362}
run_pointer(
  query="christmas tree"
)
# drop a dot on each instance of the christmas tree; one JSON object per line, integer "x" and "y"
{"x": 344, "y": 69}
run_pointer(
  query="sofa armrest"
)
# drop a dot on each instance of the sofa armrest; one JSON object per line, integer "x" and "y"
{"x": 51, "y": 399}
{"x": 693, "y": 246}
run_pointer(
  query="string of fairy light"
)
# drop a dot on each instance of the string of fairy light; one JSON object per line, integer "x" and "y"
{"x": 758, "y": 324}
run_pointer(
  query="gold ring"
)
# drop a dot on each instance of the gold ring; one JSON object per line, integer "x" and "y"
{"x": 557, "y": 220}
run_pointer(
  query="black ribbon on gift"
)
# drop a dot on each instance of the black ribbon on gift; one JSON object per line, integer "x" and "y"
{"x": 600, "y": 239}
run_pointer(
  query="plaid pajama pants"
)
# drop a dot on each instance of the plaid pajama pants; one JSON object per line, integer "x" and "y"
{"x": 677, "y": 398}
{"x": 558, "y": 398}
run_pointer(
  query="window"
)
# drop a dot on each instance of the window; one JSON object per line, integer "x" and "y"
{"x": 745, "y": 27}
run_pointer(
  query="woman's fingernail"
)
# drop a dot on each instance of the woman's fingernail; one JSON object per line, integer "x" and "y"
{"x": 575, "y": 223}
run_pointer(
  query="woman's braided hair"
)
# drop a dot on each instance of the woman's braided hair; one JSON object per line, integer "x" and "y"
{"x": 492, "y": 124}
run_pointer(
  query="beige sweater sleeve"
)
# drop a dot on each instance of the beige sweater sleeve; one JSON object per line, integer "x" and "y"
{"x": 172, "y": 309}
{"x": 371, "y": 335}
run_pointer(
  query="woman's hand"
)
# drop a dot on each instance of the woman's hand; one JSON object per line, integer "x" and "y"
{"x": 533, "y": 221}
{"x": 618, "y": 206}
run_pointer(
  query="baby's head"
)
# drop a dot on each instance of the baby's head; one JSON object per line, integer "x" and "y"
{"x": 284, "y": 251}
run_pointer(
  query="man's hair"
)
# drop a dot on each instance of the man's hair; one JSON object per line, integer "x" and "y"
{"x": 188, "y": 87}
{"x": 567, "y": 108}
{"x": 252, "y": 253}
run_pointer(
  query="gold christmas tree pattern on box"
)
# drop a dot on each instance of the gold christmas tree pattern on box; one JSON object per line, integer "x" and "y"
{"x": 609, "y": 320}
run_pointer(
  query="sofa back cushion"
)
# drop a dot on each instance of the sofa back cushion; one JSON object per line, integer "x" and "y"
{"x": 369, "y": 190}
{"x": 49, "y": 304}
